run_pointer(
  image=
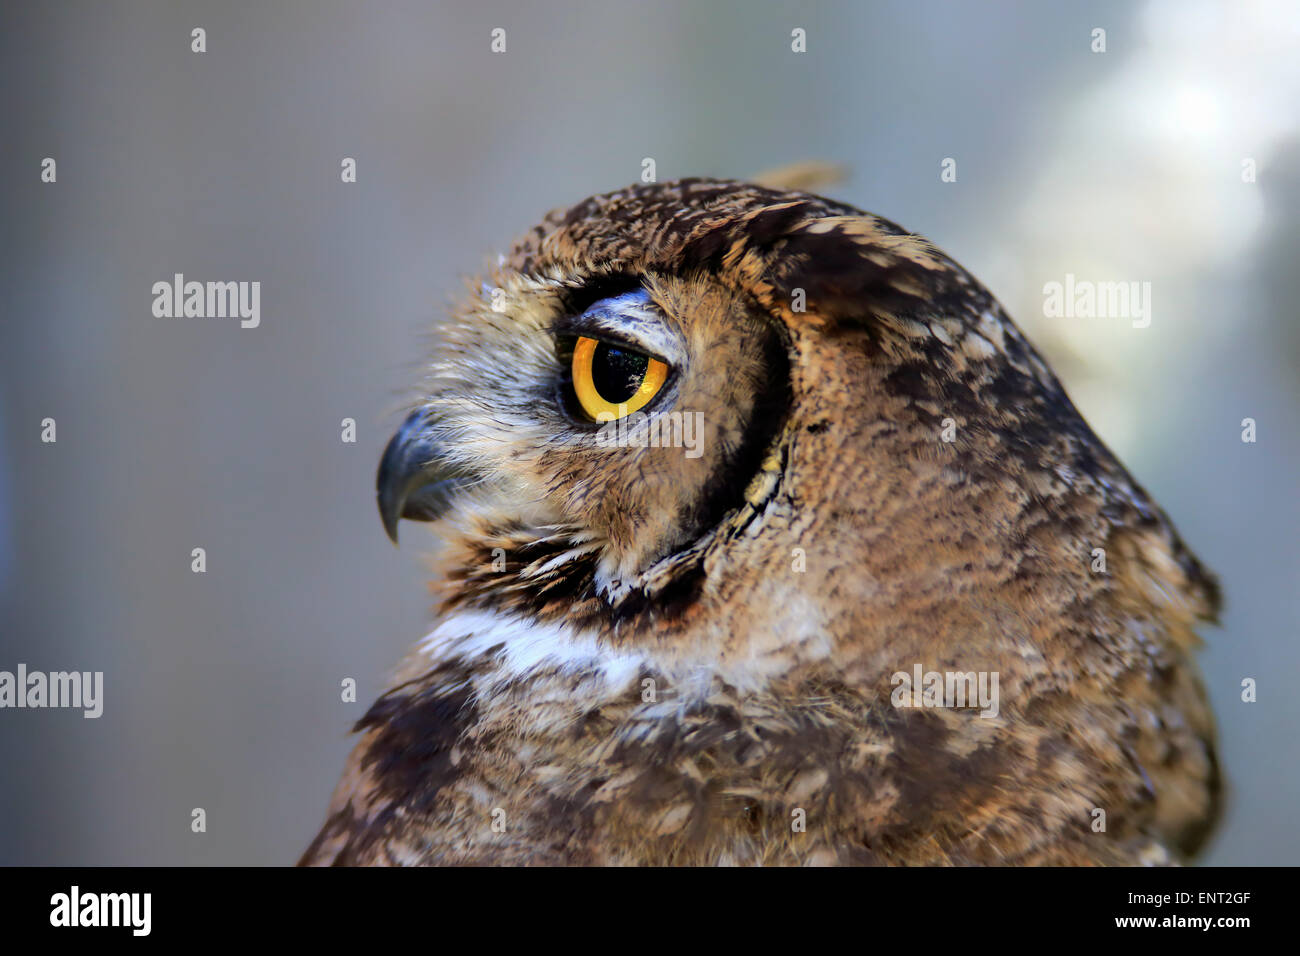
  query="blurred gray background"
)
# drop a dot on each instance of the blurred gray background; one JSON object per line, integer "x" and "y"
{"x": 222, "y": 689}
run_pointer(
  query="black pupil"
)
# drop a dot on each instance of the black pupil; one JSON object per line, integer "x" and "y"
{"x": 617, "y": 373}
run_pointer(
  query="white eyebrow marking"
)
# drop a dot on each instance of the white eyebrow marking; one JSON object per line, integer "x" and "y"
{"x": 633, "y": 316}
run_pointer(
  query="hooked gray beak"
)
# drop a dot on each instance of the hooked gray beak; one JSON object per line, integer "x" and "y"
{"x": 413, "y": 481}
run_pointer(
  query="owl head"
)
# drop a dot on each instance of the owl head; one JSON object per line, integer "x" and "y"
{"x": 693, "y": 386}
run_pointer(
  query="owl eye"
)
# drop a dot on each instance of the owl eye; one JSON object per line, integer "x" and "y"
{"x": 612, "y": 381}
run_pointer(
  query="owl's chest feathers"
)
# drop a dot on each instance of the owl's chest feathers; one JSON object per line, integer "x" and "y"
{"x": 651, "y": 755}
{"x": 545, "y": 685}
{"x": 513, "y": 740}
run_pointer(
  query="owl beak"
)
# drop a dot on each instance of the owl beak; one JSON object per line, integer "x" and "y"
{"x": 413, "y": 481}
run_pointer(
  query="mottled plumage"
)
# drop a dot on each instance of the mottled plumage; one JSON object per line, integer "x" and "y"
{"x": 642, "y": 657}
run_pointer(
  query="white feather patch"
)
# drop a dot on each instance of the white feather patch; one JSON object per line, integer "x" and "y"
{"x": 526, "y": 646}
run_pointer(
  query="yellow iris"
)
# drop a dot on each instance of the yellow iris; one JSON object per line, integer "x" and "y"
{"x": 613, "y": 406}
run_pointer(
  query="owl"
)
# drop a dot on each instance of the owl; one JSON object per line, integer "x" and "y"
{"x": 765, "y": 537}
